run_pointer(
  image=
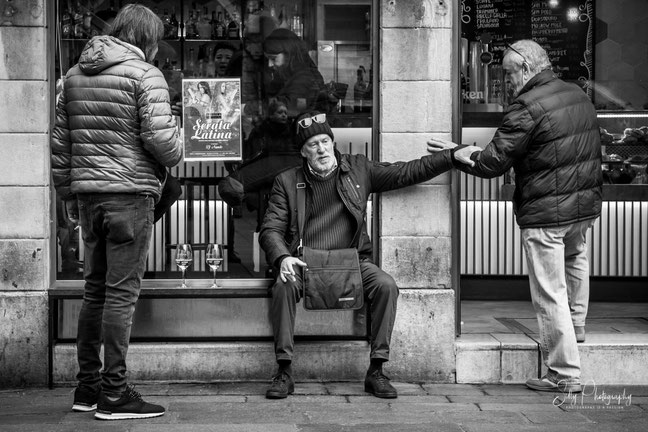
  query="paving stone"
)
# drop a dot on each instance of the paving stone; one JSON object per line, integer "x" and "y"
{"x": 216, "y": 399}
{"x": 299, "y": 399}
{"x": 350, "y": 388}
{"x": 386, "y": 427}
{"x": 309, "y": 388}
{"x": 246, "y": 427}
{"x": 431, "y": 407}
{"x": 405, "y": 399}
{"x": 193, "y": 389}
{"x": 555, "y": 417}
{"x": 453, "y": 389}
{"x": 245, "y": 388}
{"x": 484, "y": 417}
{"x": 509, "y": 389}
{"x": 510, "y": 399}
{"x": 518, "y": 407}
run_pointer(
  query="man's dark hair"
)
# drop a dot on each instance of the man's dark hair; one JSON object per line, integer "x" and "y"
{"x": 138, "y": 25}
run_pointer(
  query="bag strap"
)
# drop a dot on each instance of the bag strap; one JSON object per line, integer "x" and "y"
{"x": 301, "y": 208}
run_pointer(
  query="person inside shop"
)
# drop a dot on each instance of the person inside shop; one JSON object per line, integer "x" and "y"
{"x": 267, "y": 152}
{"x": 223, "y": 54}
{"x": 293, "y": 76}
{"x": 550, "y": 137}
{"x": 98, "y": 137}
{"x": 337, "y": 189}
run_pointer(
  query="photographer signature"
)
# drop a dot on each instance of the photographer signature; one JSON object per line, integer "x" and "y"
{"x": 592, "y": 394}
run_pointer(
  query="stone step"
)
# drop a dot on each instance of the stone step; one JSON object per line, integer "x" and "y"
{"x": 513, "y": 358}
{"x": 227, "y": 361}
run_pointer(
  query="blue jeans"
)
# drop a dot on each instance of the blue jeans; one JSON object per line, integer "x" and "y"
{"x": 559, "y": 282}
{"x": 116, "y": 235}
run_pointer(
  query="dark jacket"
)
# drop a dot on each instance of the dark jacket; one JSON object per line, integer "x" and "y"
{"x": 357, "y": 178}
{"x": 550, "y": 136}
{"x": 114, "y": 130}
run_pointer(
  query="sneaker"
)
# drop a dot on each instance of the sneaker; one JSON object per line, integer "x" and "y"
{"x": 85, "y": 399}
{"x": 282, "y": 385}
{"x": 544, "y": 384}
{"x": 580, "y": 333}
{"x": 129, "y": 406}
{"x": 378, "y": 384}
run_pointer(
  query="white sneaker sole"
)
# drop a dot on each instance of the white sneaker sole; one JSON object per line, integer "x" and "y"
{"x": 125, "y": 416}
{"x": 83, "y": 408}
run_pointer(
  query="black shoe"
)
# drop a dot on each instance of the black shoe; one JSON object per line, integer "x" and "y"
{"x": 378, "y": 384}
{"x": 85, "y": 399}
{"x": 129, "y": 406}
{"x": 282, "y": 385}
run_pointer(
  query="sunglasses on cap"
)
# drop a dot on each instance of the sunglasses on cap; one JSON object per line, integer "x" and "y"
{"x": 306, "y": 122}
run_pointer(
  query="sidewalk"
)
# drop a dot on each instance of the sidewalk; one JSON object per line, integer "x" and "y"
{"x": 332, "y": 406}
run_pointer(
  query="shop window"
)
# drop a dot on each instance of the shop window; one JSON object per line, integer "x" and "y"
{"x": 600, "y": 46}
{"x": 210, "y": 46}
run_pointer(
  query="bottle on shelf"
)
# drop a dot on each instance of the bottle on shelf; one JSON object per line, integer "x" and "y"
{"x": 220, "y": 26}
{"x": 87, "y": 23}
{"x": 283, "y": 18}
{"x": 212, "y": 23}
{"x": 211, "y": 64}
{"x": 203, "y": 25}
{"x": 233, "y": 27}
{"x": 296, "y": 22}
{"x": 67, "y": 25}
{"x": 253, "y": 18}
{"x": 174, "y": 31}
{"x": 191, "y": 63}
{"x": 190, "y": 25}
{"x": 78, "y": 22}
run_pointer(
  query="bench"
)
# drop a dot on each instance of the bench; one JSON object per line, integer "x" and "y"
{"x": 312, "y": 325}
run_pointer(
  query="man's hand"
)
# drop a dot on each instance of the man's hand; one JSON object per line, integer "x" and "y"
{"x": 287, "y": 270}
{"x": 72, "y": 209}
{"x": 463, "y": 154}
{"x": 438, "y": 144}
{"x": 176, "y": 109}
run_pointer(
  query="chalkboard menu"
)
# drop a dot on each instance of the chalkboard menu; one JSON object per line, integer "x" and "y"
{"x": 562, "y": 27}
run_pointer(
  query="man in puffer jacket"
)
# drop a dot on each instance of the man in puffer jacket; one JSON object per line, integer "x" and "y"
{"x": 113, "y": 136}
{"x": 550, "y": 136}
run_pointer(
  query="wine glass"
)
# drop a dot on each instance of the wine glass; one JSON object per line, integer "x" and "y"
{"x": 214, "y": 258}
{"x": 183, "y": 259}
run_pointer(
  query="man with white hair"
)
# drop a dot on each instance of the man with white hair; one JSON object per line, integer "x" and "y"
{"x": 550, "y": 137}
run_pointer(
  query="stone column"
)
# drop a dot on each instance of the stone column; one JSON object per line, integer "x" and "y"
{"x": 416, "y": 55}
{"x": 24, "y": 194}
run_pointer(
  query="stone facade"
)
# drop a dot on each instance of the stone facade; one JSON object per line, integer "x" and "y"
{"x": 416, "y": 97}
{"x": 25, "y": 216}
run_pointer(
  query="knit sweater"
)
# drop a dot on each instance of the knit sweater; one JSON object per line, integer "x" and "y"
{"x": 329, "y": 225}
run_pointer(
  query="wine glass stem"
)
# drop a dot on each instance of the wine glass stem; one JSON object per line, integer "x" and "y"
{"x": 215, "y": 279}
{"x": 183, "y": 279}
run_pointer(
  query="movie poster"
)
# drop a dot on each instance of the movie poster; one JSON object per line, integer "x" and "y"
{"x": 211, "y": 117}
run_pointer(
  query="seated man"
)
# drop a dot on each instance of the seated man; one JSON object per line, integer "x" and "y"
{"x": 337, "y": 189}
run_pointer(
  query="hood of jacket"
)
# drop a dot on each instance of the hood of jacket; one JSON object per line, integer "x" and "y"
{"x": 102, "y": 52}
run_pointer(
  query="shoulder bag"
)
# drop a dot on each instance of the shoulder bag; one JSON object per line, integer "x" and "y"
{"x": 332, "y": 278}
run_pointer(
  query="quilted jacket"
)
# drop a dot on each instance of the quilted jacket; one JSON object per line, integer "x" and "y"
{"x": 114, "y": 131}
{"x": 550, "y": 136}
{"x": 357, "y": 179}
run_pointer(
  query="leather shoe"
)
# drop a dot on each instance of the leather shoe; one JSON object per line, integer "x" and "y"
{"x": 545, "y": 384}
{"x": 580, "y": 333}
{"x": 282, "y": 385}
{"x": 378, "y": 384}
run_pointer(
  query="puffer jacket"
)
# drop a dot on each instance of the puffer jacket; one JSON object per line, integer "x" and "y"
{"x": 550, "y": 136}
{"x": 114, "y": 131}
{"x": 357, "y": 178}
